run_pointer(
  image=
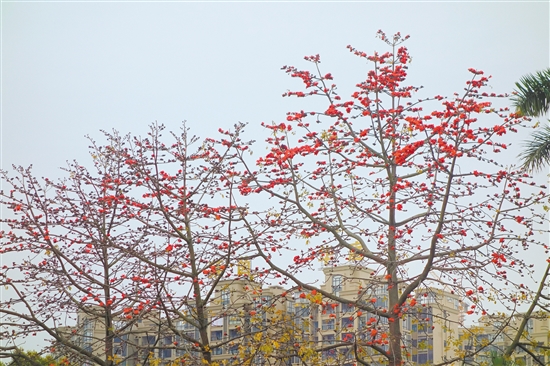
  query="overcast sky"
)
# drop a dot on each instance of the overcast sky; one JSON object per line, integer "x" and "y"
{"x": 73, "y": 68}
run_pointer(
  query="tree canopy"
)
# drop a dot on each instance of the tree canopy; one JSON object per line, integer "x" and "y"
{"x": 409, "y": 194}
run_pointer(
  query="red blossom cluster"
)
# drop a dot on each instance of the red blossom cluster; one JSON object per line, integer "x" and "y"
{"x": 373, "y": 179}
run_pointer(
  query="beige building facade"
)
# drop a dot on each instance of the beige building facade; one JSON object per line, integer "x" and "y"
{"x": 270, "y": 325}
{"x": 493, "y": 336}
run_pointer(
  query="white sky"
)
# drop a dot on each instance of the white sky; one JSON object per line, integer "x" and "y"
{"x": 74, "y": 68}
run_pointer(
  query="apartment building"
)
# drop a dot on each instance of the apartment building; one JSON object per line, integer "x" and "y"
{"x": 493, "y": 335}
{"x": 242, "y": 316}
{"x": 137, "y": 343}
{"x": 245, "y": 319}
{"x": 426, "y": 329}
{"x": 271, "y": 325}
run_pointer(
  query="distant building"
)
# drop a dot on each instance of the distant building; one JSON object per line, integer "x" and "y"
{"x": 275, "y": 326}
{"x": 425, "y": 329}
{"x": 493, "y": 335}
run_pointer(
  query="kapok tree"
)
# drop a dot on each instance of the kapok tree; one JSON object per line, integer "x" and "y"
{"x": 148, "y": 235}
{"x": 63, "y": 256}
{"x": 185, "y": 200}
{"x": 419, "y": 196}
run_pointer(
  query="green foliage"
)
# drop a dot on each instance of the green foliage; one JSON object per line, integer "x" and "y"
{"x": 533, "y": 94}
{"x": 500, "y": 360}
{"x": 533, "y": 99}
{"x": 29, "y": 358}
{"x": 536, "y": 154}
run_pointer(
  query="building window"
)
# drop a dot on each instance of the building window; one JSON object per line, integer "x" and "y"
{"x": 234, "y": 320}
{"x": 347, "y": 323}
{"x": 302, "y": 311}
{"x": 290, "y": 307}
{"x": 329, "y": 308}
{"x": 148, "y": 340}
{"x": 180, "y": 351}
{"x": 327, "y": 324}
{"x": 120, "y": 348}
{"x": 429, "y": 298}
{"x": 426, "y": 320}
{"x": 87, "y": 335}
{"x": 192, "y": 335}
{"x": 530, "y": 326}
{"x": 329, "y": 354}
{"x": 407, "y": 322}
{"x": 362, "y": 322}
{"x": 336, "y": 285}
{"x": 345, "y": 354}
{"x": 381, "y": 294}
{"x": 348, "y": 308}
{"x": 188, "y": 326}
{"x": 407, "y": 340}
{"x": 348, "y": 337}
{"x": 226, "y": 298}
{"x": 216, "y": 335}
{"x": 166, "y": 352}
{"x": 328, "y": 339}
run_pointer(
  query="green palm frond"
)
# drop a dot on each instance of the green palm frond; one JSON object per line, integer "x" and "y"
{"x": 537, "y": 151}
{"x": 533, "y": 94}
